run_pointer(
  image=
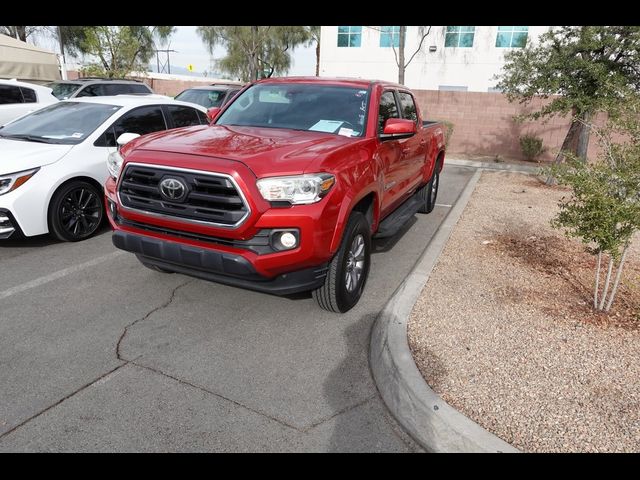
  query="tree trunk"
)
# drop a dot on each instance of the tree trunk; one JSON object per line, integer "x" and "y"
{"x": 595, "y": 293}
{"x": 606, "y": 284}
{"x": 318, "y": 58}
{"x": 22, "y": 33}
{"x": 566, "y": 146}
{"x": 253, "y": 64}
{"x": 617, "y": 280}
{"x": 401, "y": 65}
{"x": 583, "y": 136}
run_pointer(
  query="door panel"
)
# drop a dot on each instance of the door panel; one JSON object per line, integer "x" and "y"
{"x": 390, "y": 154}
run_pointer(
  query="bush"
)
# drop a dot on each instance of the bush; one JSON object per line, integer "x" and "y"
{"x": 531, "y": 146}
{"x": 448, "y": 131}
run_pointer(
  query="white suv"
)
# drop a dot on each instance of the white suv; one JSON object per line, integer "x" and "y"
{"x": 20, "y": 98}
{"x": 54, "y": 160}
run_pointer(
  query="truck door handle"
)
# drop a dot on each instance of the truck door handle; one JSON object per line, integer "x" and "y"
{"x": 423, "y": 142}
{"x": 406, "y": 150}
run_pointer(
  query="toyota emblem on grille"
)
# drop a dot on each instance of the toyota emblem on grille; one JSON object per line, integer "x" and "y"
{"x": 173, "y": 189}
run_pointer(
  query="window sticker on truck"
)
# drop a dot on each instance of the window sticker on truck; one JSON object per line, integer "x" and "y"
{"x": 328, "y": 126}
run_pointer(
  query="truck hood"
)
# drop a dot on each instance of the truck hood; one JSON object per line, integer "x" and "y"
{"x": 266, "y": 151}
{"x": 18, "y": 155}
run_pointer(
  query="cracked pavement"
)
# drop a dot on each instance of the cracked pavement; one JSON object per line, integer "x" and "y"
{"x": 107, "y": 355}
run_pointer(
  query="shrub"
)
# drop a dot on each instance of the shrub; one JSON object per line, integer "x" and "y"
{"x": 531, "y": 146}
{"x": 448, "y": 131}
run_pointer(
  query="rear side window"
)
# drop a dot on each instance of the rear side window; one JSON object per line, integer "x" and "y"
{"x": 29, "y": 95}
{"x": 388, "y": 109}
{"x": 139, "y": 88}
{"x": 10, "y": 94}
{"x": 408, "y": 106}
{"x": 142, "y": 120}
{"x": 96, "y": 90}
{"x": 124, "y": 88}
{"x": 184, "y": 116}
{"x": 230, "y": 96}
{"x": 203, "y": 117}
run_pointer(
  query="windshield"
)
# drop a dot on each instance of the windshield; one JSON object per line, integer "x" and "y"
{"x": 68, "y": 123}
{"x": 206, "y": 98}
{"x": 62, "y": 91}
{"x": 320, "y": 108}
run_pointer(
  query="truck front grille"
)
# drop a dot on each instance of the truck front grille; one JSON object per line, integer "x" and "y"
{"x": 211, "y": 198}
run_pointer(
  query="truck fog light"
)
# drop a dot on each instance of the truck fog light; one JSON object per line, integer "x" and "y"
{"x": 285, "y": 239}
{"x": 288, "y": 240}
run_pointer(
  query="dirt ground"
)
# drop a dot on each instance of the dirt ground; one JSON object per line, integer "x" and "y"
{"x": 504, "y": 330}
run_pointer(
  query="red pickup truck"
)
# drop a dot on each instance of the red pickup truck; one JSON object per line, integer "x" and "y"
{"x": 283, "y": 191}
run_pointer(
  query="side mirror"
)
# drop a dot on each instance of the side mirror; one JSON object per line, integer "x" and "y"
{"x": 126, "y": 138}
{"x": 212, "y": 113}
{"x": 397, "y": 128}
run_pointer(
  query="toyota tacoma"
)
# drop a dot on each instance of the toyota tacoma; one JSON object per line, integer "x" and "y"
{"x": 283, "y": 191}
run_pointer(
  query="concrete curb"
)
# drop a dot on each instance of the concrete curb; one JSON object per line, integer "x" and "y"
{"x": 434, "y": 424}
{"x": 509, "y": 167}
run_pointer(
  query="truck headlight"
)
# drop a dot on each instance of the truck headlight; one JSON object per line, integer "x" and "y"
{"x": 11, "y": 181}
{"x": 114, "y": 164}
{"x": 298, "y": 190}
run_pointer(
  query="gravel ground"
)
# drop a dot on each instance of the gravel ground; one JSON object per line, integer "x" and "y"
{"x": 504, "y": 333}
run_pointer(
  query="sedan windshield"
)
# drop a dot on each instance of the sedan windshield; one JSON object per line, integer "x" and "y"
{"x": 62, "y": 91}
{"x": 206, "y": 98}
{"x": 295, "y": 106}
{"x": 68, "y": 123}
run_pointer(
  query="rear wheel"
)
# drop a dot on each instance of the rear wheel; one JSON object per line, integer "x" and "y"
{"x": 429, "y": 193}
{"x": 76, "y": 211}
{"x": 349, "y": 269}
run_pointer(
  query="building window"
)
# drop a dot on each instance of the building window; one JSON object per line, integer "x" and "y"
{"x": 453, "y": 88}
{"x": 512, "y": 37}
{"x": 349, "y": 36}
{"x": 390, "y": 36}
{"x": 459, "y": 37}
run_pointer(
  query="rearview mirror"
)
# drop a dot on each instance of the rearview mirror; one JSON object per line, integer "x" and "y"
{"x": 397, "y": 128}
{"x": 126, "y": 138}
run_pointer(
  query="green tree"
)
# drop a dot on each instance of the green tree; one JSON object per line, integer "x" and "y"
{"x": 590, "y": 67}
{"x": 117, "y": 49}
{"x": 604, "y": 208}
{"x": 254, "y": 52}
{"x": 314, "y": 34}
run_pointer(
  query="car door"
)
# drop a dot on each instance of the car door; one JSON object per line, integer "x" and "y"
{"x": 12, "y": 103}
{"x": 390, "y": 154}
{"x": 414, "y": 149}
{"x": 140, "y": 120}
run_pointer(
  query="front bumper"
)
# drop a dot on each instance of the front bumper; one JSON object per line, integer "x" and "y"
{"x": 8, "y": 224}
{"x": 216, "y": 266}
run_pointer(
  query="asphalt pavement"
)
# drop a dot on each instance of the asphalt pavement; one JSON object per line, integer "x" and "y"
{"x": 98, "y": 353}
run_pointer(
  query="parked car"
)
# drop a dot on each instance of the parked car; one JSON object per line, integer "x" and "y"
{"x": 97, "y": 87}
{"x": 284, "y": 190}
{"x": 54, "y": 160}
{"x": 215, "y": 95}
{"x": 20, "y": 98}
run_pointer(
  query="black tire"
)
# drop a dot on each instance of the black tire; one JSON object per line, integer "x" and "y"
{"x": 339, "y": 294}
{"x": 76, "y": 211}
{"x": 151, "y": 266}
{"x": 429, "y": 193}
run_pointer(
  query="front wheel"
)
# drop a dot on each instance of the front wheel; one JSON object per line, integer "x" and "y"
{"x": 429, "y": 192}
{"x": 76, "y": 211}
{"x": 349, "y": 269}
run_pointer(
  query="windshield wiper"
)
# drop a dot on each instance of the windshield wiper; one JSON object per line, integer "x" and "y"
{"x": 29, "y": 138}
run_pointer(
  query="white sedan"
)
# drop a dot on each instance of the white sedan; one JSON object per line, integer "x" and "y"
{"x": 20, "y": 98}
{"x": 53, "y": 162}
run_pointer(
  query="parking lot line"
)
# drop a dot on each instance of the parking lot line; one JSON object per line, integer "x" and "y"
{"x": 56, "y": 275}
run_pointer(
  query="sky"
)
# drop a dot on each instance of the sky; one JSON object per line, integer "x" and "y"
{"x": 191, "y": 50}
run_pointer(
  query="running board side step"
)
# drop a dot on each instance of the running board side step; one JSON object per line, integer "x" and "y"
{"x": 396, "y": 220}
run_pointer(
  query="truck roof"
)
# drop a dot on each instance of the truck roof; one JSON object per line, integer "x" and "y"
{"x": 344, "y": 81}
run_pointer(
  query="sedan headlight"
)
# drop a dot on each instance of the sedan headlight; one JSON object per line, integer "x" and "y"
{"x": 114, "y": 164}
{"x": 11, "y": 181}
{"x": 298, "y": 190}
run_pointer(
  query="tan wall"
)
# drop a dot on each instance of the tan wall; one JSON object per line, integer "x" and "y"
{"x": 484, "y": 125}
